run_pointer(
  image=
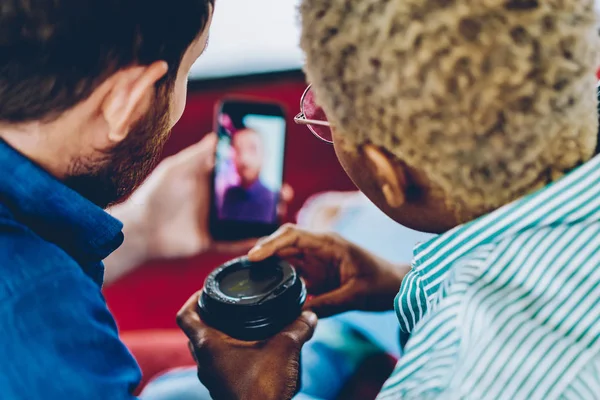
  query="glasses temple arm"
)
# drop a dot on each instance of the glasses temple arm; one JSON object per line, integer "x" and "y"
{"x": 301, "y": 120}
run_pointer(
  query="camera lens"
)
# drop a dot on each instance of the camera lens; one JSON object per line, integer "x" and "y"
{"x": 252, "y": 300}
{"x": 250, "y": 282}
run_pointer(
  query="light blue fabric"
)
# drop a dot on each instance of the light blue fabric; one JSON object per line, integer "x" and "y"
{"x": 340, "y": 343}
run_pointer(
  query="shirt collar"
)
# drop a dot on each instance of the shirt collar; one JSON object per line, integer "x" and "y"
{"x": 573, "y": 199}
{"x": 54, "y": 211}
{"x": 255, "y": 187}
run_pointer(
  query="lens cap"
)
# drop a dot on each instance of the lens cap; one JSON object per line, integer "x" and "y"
{"x": 252, "y": 300}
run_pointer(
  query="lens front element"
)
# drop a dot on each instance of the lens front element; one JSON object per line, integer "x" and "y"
{"x": 251, "y": 282}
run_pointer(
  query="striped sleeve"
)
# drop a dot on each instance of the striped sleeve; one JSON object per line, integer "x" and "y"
{"x": 587, "y": 384}
{"x": 411, "y": 302}
{"x": 528, "y": 322}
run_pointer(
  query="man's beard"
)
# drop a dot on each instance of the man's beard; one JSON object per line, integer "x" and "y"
{"x": 114, "y": 175}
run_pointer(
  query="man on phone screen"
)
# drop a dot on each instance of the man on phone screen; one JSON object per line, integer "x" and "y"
{"x": 250, "y": 199}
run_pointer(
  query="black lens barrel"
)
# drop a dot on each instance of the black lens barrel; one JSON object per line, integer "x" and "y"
{"x": 260, "y": 316}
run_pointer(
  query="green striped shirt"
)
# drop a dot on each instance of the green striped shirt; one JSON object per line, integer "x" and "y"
{"x": 508, "y": 306}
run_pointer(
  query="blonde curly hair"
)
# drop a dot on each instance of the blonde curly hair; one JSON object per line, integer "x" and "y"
{"x": 490, "y": 99}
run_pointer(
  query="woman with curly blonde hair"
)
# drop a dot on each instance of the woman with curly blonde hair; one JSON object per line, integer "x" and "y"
{"x": 476, "y": 120}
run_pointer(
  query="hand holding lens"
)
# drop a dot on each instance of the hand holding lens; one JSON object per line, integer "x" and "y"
{"x": 252, "y": 300}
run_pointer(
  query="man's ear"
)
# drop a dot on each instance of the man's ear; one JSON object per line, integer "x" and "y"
{"x": 131, "y": 92}
{"x": 390, "y": 178}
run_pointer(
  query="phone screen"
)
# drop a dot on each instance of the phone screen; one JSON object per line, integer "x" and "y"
{"x": 248, "y": 170}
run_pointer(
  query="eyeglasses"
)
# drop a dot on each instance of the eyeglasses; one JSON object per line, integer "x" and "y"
{"x": 313, "y": 117}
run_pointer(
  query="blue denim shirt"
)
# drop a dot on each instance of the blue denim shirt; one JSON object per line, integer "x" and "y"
{"x": 58, "y": 339}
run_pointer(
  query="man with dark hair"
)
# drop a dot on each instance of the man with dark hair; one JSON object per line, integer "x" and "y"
{"x": 89, "y": 90}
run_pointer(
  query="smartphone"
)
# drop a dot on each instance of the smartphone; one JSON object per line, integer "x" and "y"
{"x": 249, "y": 166}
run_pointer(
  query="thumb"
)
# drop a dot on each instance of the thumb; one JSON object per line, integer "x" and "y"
{"x": 199, "y": 156}
{"x": 301, "y": 330}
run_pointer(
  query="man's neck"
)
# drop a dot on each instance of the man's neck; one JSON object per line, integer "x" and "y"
{"x": 248, "y": 184}
{"x": 34, "y": 143}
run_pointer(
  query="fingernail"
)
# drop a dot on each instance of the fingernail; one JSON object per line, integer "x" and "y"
{"x": 310, "y": 317}
{"x": 253, "y": 251}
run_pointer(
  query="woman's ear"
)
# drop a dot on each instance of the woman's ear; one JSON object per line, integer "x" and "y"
{"x": 390, "y": 178}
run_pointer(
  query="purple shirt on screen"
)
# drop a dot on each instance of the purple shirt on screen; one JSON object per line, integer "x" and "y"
{"x": 253, "y": 204}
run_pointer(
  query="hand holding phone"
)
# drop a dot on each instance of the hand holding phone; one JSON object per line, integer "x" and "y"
{"x": 248, "y": 174}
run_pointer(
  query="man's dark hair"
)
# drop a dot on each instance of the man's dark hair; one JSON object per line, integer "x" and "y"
{"x": 55, "y": 53}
